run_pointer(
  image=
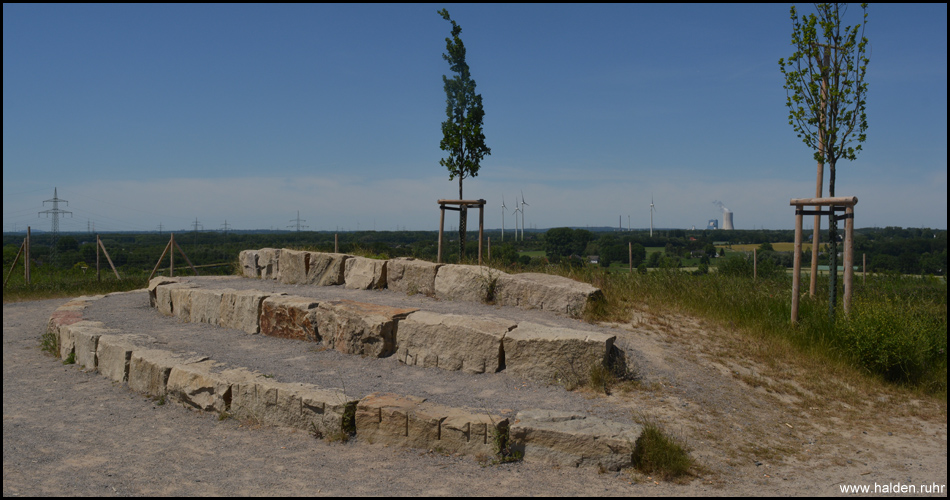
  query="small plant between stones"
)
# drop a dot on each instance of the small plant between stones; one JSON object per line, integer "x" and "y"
{"x": 659, "y": 453}
{"x": 49, "y": 343}
{"x": 70, "y": 358}
{"x": 489, "y": 283}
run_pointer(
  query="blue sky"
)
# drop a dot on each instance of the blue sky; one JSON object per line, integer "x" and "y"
{"x": 143, "y": 115}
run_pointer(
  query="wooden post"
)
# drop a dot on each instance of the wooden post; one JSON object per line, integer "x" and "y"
{"x": 15, "y": 259}
{"x": 630, "y": 258}
{"x": 797, "y": 266}
{"x": 848, "y": 257}
{"x": 481, "y": 228}
{"x": 169, "y": 245}
{"x": 489, "y": 249}
{"x": 26, "y": 263}
{"x": 107, "y": 257}
{"x": 98, "y": 275}
{"x": 441, "y": 226}
{"x": 185, "y": 256}
{"x": 171, "y": 256}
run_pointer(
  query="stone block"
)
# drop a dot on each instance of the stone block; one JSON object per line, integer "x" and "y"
{"x": 359, "y": 328}
{"x": 153, "y": 285}
{"x": 200, "y": 386}
{"x": 293, "y": 267}
{"x": 362, "y": 273}
{"x": 327, "y": 269}
{"x": 248, "y": 260}
{"x": 163, "y": 297}
{"x": 452, "y": 342}
{"x": 268, "y": 263}
{"x": 302, "y": 406}
{"x": 413, "y": 422}
{"x": 411, "y": 276}
{"x": 114, "y": 352}
{"x": 181, "y": 302}
{"x": 544, "y": 291}
{"x": 206, "y": 305}
{"x": 289, "y": 317}
{"x": 149, "y": 370}
{"x": 468, "y": 283}
{"x": 566, "y": 439}
{"x": 544, "y": 353}
{"x": 86, "y": 336}
{"x": 241, "y": 309}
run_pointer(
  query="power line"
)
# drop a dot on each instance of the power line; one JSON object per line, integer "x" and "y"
{"x": 55, "y": 212}
{"x": 298, "y": 221}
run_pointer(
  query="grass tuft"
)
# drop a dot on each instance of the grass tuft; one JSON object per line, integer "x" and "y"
{"x": 660, "y": 454}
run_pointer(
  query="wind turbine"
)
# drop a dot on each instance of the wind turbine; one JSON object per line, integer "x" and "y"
{"x": 515, "y": 212}
{"x": 652, "y": 209}
{"x": 503, "y": 208}
{"x": 523, "y": 204}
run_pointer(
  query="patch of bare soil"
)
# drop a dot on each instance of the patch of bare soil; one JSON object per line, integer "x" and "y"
{"x": 756, "y": 425}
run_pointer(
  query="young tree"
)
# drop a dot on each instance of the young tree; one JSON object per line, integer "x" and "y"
{"x": 462, "y": 134}
{"x": 825, "y": 90}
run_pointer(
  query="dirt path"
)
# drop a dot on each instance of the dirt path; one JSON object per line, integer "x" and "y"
{"x": 66, "y": 432}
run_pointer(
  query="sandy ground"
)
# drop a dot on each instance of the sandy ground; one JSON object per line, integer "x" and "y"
{"x": 68, "y": 432}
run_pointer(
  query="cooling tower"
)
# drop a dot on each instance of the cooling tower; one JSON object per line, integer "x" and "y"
{"x": 727, "y": 219}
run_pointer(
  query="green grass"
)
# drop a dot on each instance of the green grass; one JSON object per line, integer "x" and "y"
{"x": 47, "y": 285}
{"x": 659, "y": 454}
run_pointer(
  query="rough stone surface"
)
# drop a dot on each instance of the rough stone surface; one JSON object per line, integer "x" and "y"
{"x": 181, "y": 302}
{"x": 293, "y": 266}
{"x": 567, "y": 439}
{"x": 199, "y": 386}
{"x": 362, "y": 273}
{"x": 410, "y": 421}
{"x": 86, "y": 336}
{"x": 248, "y": 259}
{"x": 241, "y": 309}
{"x": 268, "y": 263}
{"x": 359, "y": 328}
{"x": 163, "y": 297}
{"x": 289, "y": 317}
{"x": 411, "y": 276}
{"x": 544, "y": 353}
{"x": 469, "y": 283}
{"x": 327, "y": 269}
{"x": 206, "y": 305}
{"x": 113, "y": 354}
{"x": 149, "y": 370}
{"x": 153, "y": 285}
{"x": 452, "y": 342}
{"x": 302, "y": 406}
{"x": 544, "y": 291}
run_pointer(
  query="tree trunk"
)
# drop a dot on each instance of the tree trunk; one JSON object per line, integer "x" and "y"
{"x": 833, "y": 247}
{"x": 463, "y": 219}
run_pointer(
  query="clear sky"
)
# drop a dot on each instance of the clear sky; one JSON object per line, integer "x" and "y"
{"x": 144, "y": 115}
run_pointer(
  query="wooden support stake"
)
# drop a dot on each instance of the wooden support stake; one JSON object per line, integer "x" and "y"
{"x": 481, "y": 229}
{"x": 630, "y": 257}
{"x": 797, "y": 266}
{"x": 15, "y": 259}
{"x": 848, "y": 257}
{"x": 160, "y": 260}
{"x": 441, "y": 226}
{"x": 489, "y": 249}
{"x": 107, "y": 257}
{"x": 29, "y": 241}
{"x": 171, "y": 256}
{"x": 186, "y": 258}
{"x": 755, "y": 264}
{"x": 98, "y": 274}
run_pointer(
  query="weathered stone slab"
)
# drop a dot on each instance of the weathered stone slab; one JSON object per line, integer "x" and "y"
{"x": 149, "y": 370}
{"x": 199, "y": 386}
{"x": 206, "y": 305}
{"x": 362, "y": 273}
{"x": 293, "y": 267}
{"x": 86, "y": 335}
{"x": 268, "y": 263}
{"x": 181, "y": 302}
{"x": 289, "y": 317}
{"x": 114, "y": 352}
{"x": 468, "y": 283}
{"x": 248, "y": 260}
{"x": 359, "y": 328}
{"x": 163, "y": 297}
{"x": 567, "y": 439}
{"x": 327, "y": 269}
{"x": 411, "y": 276}
{"x": 412, "y": 422}
{"x": 241, "y": 309}
{"x": 544, "y": 291}
{"x": 544, "y": 353}
{"x": 153, "y": 285}
{"x": 302, "y": 406}
{"x": 452, "y": 342}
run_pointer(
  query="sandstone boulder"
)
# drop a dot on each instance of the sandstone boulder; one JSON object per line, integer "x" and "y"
{"x": 567, "y": 439}
{"x": 303, "y": 406}
{"x": 468, "y": 283}
{"x": 268, "y": 263}
{"x": 545, "y": 354}
{"x": 289, "y": 317}
{"x": 153, "y": 285}
{"x": 544, "y": 291}
{"x": 201, "y": 386}
{"x": 241, "y": 309}
{"x": 248, "y": 260}
{"x": 359, "y": 328}
{"x": 293, "y": 266}
{"x": 114, "y": 352}
{"x": 362, "y": 273}
{"x": 411, "y": 276}
{"x": 206, "y": 305}
{"x": 452, "y": 342}
{"x": 327, "y": 269}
